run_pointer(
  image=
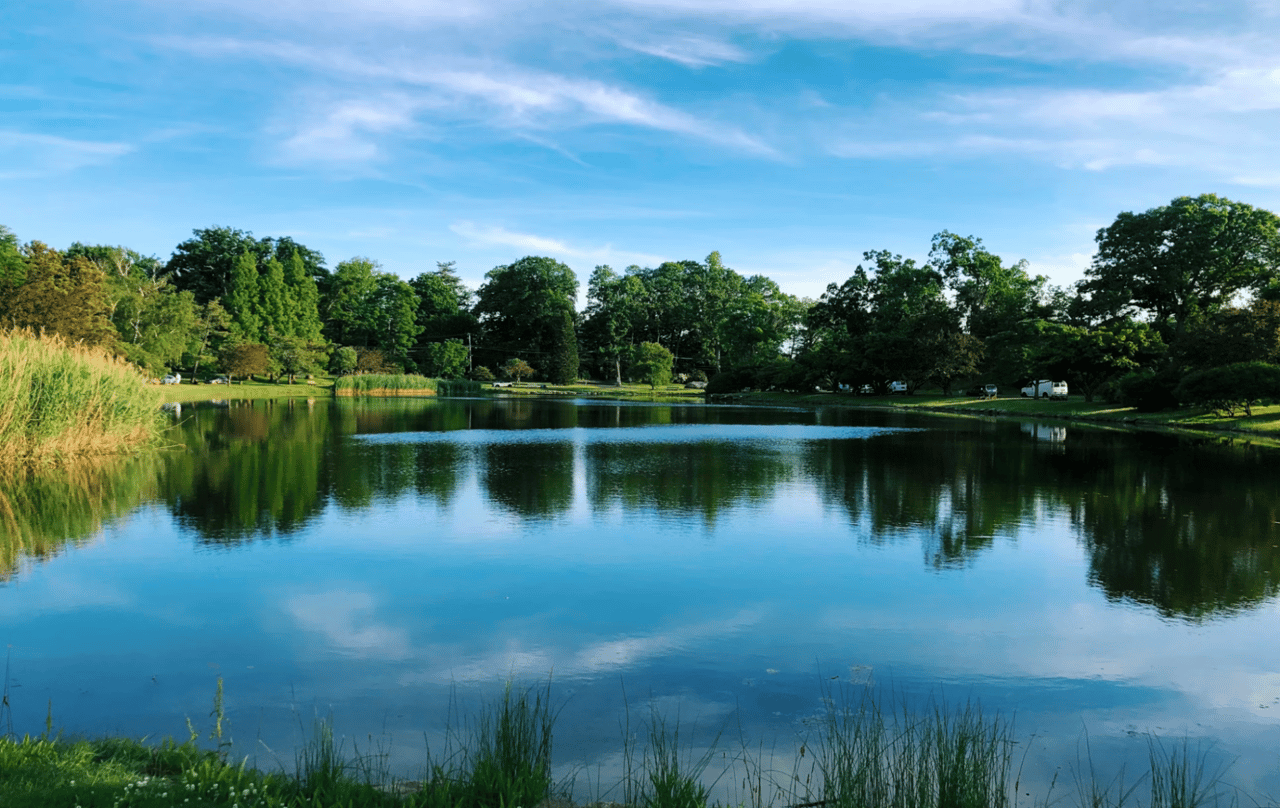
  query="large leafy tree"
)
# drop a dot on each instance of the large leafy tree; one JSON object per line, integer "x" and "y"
{"x": 614, "y": 316}
{"x": 990, "y": 296}
{"x": 1178, "y": 260}
{"x": 1088, "y": 358}
{"x": 60, "y": 295}
{"x": 12, "y": 266}
{"x": 522, "y": 308}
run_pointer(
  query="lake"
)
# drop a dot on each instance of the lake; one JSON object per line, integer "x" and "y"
{"x": 386, "y": 564}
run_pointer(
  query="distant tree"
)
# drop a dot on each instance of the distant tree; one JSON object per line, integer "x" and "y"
{"x": 60, "y": 296}
{"x": 13, "y": 267}
{"x": 204, "y": 265}
{"x": 213, "y": 327}
{"x": 990, "y": 297}
{"x": 652, "y": 364}
{"x": 374, "y": 360}
{"x": 518, "y": 370}
{"x": 522, "y": 306}
{"x": 1182, "y": 259}
{"x": 561, "y": 363}
{"x": 1231, "y": 336}
{"x": 1232, "y": 387}
{"x": 1089, "y": 358}
{"x": 302, "y": 300}
{"x": 482, "y": 374}
{"x": 444, "y": 360}
{"x": 295, "y": 356}
{"x": 392, "y": 318}
{"x": 343, "y": 361}
{"x": 346, "y": 306}
{"x": 244, "y": 359}
{"x": 242, "y": 299}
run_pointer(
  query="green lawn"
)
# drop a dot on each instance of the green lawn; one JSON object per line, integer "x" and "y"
{"x": 182, "y": 393}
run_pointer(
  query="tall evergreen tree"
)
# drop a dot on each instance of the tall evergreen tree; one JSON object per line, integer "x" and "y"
{"x": 274, "y": 315}
{"x": 242, "y": 299}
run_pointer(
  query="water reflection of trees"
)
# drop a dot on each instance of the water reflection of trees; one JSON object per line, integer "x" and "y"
{"x": 953, "y": 490}
{"x": 251, "y": 469}
{"x": 1182, "y": 526}
{"x": 43, "y": 511}
{"x": 685, "y": 479}
{"x": 1189, "y": 530}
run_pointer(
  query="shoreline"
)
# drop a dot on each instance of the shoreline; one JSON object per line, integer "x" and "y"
{"x": 1264, "y": 424}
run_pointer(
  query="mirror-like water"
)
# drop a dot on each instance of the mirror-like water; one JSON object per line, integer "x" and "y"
{"x": 374, "y": 560}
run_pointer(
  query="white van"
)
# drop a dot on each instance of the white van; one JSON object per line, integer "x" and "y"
{"x": 1056, "y": 391}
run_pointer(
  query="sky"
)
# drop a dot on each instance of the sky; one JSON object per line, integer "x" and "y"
{"x": 792, "y": 137}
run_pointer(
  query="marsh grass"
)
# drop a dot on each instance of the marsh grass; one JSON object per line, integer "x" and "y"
{"x": 385, "y": 384}
{"x": 61, "y": 401}
{"x": 867, "y": 757}
{"x": 864, "y": 755}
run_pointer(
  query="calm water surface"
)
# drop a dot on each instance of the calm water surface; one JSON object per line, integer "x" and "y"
{"x": 726, "y": 566}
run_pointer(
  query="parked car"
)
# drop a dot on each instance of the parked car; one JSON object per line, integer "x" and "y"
{"x": 897, "y": 388}
{"x": 502, "y": 384}
{"x": 1054, "y": 391}
{"x": 990, "y": 391}
{"x": 172, "y": 378}
{"x": 219, "y": 380}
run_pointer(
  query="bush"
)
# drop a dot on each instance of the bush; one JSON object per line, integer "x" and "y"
{"x": 482, "y": 374}
{"x": 1228, "y": 389}
{"x": 731, "y": 381}
{"x": 1148, "y": 390}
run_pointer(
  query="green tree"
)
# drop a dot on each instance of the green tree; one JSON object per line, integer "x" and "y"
{"x": 295, "y": 356}
{"x": 989, "y": 296}
{"x": 518, "y": 370}
{"x": 244, "y": 359}
{"x": 13, "y": 268}
{"x": 60, "y": 296}
{"x": 444, "y": 360}
{"x": 275, "y": 316}
{"x": 521, "y": 308}
{"x": 347, "y": 313}
{"x": 343, "y": 361}
{"x": 242, "y": 299}
{"x": 302, "y": 300}
{"x": 1232, "y": 387}
{"x": 652, "y": 364}
{"x": 392, "y": 318}
{"x": 1231, "y": 336}
{"x": 213, "y": 327}
{"x": 1089, "y": 358}
{"x": 1182, "y": 259}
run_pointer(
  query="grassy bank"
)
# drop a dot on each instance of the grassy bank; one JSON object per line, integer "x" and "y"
{"x": 1265, "y": 420}
{"x": 60, "y": 401}
{"x": 184, "y": 393}
{"x": 639, "y": 392}
{"x": 864, "y": 754}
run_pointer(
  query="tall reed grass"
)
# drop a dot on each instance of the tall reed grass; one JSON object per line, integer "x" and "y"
{"x": 59, "y": 401}
{"x": 384, "y": 384}
{"x": 405, "y": 384}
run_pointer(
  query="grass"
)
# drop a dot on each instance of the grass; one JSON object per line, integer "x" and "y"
{"x": 664, "y": 393}
{"x": 185, "y": 393}
{"x": 60, "y": 401}
{"x": 1265, "y": 420}
{"x": 864, "y": 755}
{"x": 385, "y": 384}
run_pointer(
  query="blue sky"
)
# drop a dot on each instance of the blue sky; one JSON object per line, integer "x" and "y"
{"x": 790, "y": 136}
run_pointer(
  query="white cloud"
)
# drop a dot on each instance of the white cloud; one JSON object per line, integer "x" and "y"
{"x": 542, "y": 245}
{"x": 32, "y": 155}
{"x": 521, "y": 98}
{"x": 690, "y": 51}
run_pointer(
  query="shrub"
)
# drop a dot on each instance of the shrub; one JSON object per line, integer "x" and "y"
{"x": 482, "y": 374}
{"x": 1148, "y": 390}
{"x": 1233, "y": 387}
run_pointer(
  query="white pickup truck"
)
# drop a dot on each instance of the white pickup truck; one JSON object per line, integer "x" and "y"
{"x": 1056, "y": 391}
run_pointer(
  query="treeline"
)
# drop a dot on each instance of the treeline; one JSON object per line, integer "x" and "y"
{"x": 1153, "y": 321}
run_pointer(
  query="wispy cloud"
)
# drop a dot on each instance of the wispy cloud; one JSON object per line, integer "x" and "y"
{"x": 518, "y": 97}
{"x": 690, "y": 51}
{"x": 542, "y": 245}
{"x": 37, "y": 155}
